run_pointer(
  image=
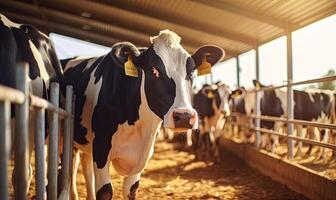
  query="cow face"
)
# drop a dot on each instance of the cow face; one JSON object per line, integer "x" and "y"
{"x": 220, "y": 94}
{"x": 169, "y": 71}
{"x": 242, "y": 101}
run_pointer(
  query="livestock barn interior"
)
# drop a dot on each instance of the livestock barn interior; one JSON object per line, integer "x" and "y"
{"x": 235, "y": 159}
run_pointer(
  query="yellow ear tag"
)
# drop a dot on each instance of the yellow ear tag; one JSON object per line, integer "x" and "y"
{"x": 211, "y": 95}
{"x": 204, "y": 68}
{"x": 130, "y": 68}
{"x": 258, "y": 86}
{"x": 236, "y": 95}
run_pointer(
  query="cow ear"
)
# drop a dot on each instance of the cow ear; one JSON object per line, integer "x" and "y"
{"x": 211, "y": 53}
{"x": 257, "y": 84}
{"x": 237, "y": 93}
{"x": 208, "y": 91}
{"x": 123, "y": 50}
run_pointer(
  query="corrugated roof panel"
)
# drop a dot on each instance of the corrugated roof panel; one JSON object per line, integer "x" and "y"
{"x": 236, "y": 25}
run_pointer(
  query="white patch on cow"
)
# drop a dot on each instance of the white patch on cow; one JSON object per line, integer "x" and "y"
{"x": 92, "y": 90}
{"x": 282, "y": 95}
{"x": 224, "y": 92}
{"x": 74, "y": 62}
{"x": 8, "y": 22}
{"x": 133, "y": 145}
{"x": 174, "y": 57}
{"x": 38, "y": 57}
{"x": 250, "y": 100}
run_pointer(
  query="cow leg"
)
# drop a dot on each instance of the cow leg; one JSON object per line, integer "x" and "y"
{"x": 103, "y": 184}
{"x": 301, "y": 132}
{"x": 74, "y": 193}
{"x": 325, "y": 139}
{"x": 130, "y": 186}
{"x": 86, "y": 161}
{"x": 275, "y": 138}
{"x": 189, "y": 140}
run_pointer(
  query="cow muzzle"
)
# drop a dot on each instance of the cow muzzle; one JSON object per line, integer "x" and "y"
{"x": 184, "y": 120}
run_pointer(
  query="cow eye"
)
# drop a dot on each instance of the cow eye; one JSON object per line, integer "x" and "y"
{"x": 155, "y": 72}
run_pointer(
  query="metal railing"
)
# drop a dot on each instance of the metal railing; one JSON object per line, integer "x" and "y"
{"x": 24, "y": 102}
{"x": 288, "y": 119}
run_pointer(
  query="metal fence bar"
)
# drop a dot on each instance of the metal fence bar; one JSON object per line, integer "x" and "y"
{"x": 11, "y": 95}
{"x": 53, "y": 145}
{"x": 40, "y": 154}
{"x": 305, "y": 140}
{"x": 67, "y": 144}
{"x": 39, "y": 102}
{"x": 257, "y": 100}
{"x": 4, "y": 147}
{"x": 317, "y": 80}
{"x": 308, "y": 141}
{"x": 21, "y": 161}
{"x": 294, "y": 121}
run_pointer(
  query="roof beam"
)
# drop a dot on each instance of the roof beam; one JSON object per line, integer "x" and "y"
{"x": 73, "y": 32}
{"x": 257, "y": 16}
{"x": 63, "y": 29}
{"x": 117, "y": 32}
{"x": 184, "y": 22}
{"x": 84, "y": 34}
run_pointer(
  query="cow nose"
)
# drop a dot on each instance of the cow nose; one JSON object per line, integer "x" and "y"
{"x": 184, "y": 120}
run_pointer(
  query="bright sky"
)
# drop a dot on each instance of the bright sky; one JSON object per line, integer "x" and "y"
{"x": 314, "y": 53}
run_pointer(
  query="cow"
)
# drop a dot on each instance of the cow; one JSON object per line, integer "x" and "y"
{"x": 242, "y": 103}
{"x": 121, "y": 100}
{"x": 24, "y": 43}
{"x": 212, "y": 104}
{"x": 309, "y": 104}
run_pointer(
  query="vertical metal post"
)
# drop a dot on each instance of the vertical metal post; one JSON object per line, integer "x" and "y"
{"x": 257, "y": 101}
{"x": 40, "y": 154}
{"x": 67, "y": 143}
{"x": 53, "y": 145}
{"x": 238, "y": 71}
{"x": 290, "y": 107}
{"x": 4, "y": 147}
{"x": 21, "y": 162}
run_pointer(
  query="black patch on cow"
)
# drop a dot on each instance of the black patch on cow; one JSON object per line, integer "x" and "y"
{"x": 14, "y": 47}
{"x": 203, "y": 104}
{"x": 270, "y": 105}
{"x": 160, "y": 91}
{"x": 132, "y": 194}
{"x": 305, "y": 109}
{"x": 79, "y": 78}
{"x": 105, "y": 192}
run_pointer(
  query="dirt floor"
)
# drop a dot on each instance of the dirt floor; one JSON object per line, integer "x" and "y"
{"x": 173, "y": 173}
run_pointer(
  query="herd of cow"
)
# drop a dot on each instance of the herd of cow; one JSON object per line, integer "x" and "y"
{"x": 123, "y": 97}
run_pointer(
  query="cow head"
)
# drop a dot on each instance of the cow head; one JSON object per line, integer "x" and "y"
{"x": 169, "y": 72}
{"x": 220, "y": 94}
{"x": 242, "y": 101}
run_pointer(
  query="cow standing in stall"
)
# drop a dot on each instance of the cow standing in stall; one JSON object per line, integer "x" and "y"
{"x": 24, "y": 43}
{"x": 121, "y": 100}
{"x": 310, "y": 105}
{"x": 212, "y": 104}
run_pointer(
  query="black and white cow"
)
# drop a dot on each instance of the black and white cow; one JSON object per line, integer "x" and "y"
{"x": 117, "y": 116}
{"x": 24, "y": 43}
{"x": 310, "y": 105}
{"x": 212, "y": 105}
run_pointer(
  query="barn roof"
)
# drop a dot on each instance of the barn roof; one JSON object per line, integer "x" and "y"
{"x": 235, "y": 25}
